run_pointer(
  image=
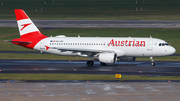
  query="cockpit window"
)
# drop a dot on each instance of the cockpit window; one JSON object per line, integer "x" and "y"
{"x": 163, "y": 44}
{"x": 167, "y": 44}
{"x": 159, "y": 44}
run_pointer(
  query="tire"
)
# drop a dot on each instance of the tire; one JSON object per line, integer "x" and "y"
{"x": 90, "y": 63}
{"x": 152, "y": 64}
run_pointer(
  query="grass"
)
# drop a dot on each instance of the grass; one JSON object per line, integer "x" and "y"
{"x": 93, "y": 9}
{"x": 49, "y": 76}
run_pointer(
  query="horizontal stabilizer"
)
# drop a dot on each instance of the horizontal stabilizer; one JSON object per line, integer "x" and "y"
{"x": 17, "y": 41}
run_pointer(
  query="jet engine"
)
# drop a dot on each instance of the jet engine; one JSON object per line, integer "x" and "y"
{"x": 127, "y": 58}
{"x": 108, "y": 57}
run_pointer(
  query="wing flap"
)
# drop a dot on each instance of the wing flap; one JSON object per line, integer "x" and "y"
{"x": 90, "y": 51}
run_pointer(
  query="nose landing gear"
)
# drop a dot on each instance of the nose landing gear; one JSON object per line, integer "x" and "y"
{"x": 152, "y": 61}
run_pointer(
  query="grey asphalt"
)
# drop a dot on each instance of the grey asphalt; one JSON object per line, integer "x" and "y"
{"x": 92, "y": 90}
{"x": 166, "y": 68}
{"x": 97, "y": 23}
{"x": 122, "y": 91}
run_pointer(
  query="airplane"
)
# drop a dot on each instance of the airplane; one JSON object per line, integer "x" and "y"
{"x": 105, "y": 49}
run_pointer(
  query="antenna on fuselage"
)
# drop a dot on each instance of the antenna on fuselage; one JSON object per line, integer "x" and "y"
{"x": 78, "y": 36}
{"x": 150, "y": 37}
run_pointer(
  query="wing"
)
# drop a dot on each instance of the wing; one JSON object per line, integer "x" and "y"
{"x": 89, "y": 52}
{"x": 84, "y": 50}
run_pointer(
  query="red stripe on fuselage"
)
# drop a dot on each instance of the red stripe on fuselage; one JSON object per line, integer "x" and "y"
{"x": 20, "y": 14}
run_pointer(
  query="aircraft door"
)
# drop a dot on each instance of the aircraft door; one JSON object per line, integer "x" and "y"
{"x": 42, "y": 45}
{"x": 105, "y": 45}
{"x": 150, "y": 45}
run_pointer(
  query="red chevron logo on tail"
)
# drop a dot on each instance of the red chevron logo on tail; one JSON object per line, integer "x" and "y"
{"x": 25, "y": 25}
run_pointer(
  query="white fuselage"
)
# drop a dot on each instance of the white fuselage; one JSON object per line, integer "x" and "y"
{"x": 135, "y": 47}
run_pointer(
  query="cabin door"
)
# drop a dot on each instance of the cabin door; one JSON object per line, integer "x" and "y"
{"x": 42, "y": 46}
{"x": 150, "y": 45}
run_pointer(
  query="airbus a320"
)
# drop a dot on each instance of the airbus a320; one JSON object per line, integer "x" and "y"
{"x": 105, "y": 49}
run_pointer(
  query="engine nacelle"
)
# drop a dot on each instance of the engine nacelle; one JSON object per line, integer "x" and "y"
{"x": 127, "y": 58}
{"x": 108, "y": 57}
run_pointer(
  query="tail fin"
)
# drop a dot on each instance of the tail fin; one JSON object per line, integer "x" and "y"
{"x": 26, "y": 27}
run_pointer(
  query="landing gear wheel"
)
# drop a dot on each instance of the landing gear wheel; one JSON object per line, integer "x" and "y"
{"x": 152, "y": 61}
{"x": 152, "y": 64}
{"x": 90, "y": 63}
{"x": 103, "y": 64}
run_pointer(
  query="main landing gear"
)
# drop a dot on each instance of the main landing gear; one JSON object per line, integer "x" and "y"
{"x": 152, "y": 61}
{"x": 90, "y": 63}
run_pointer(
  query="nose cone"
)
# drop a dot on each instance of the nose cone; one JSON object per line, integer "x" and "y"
{"x": 172, "y": 50}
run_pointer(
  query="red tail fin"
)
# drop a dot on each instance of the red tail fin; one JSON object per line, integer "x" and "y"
{"x": 26, "y": 26}
{"x": 30, "y": 35}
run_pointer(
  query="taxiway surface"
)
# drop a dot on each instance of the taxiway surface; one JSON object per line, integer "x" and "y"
{"x": 92, "y": 91}
{"x": 97, "y": 24}
{"x": 65, "y": 66}
{"x": 124, "y": 91}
